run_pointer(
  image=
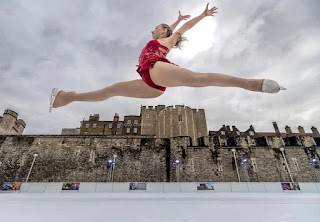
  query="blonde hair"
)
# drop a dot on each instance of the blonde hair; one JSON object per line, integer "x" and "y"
{"x": 169, "y": 33}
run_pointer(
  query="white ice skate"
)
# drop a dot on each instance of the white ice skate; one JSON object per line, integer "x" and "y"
{"x": 271, "y": 86}
{"x": 54, "y": 94}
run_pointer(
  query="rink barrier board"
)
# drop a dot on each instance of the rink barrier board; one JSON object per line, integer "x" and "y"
{"x": 255, "y": 187}
{"x": 53, "y": 187}
{"x": 273, "y": 187}
{"x": 239, "y": 187}
{"x": 103, "y": 187}
{"x": 167, "y": 187}
{"x": 155, "y": 187}
{"x": 89, "y": 187}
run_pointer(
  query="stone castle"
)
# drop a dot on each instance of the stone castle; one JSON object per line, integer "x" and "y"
{"x": 160, "y": 121}
{"x": 166, "y": 134}
{"x": 10, "y": 124}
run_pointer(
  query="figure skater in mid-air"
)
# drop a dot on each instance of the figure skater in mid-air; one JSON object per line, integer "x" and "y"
{"x": 157, "y": 72}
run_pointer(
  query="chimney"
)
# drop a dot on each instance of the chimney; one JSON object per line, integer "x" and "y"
{"x": 288, "y": 130}
{"x": 228, "y": 129}
{"x": 234, "y": 129}
{"x": 252, "y": 128}
{"x": 315, "y": 132}
{"x": 276, "y": 128}
{"x": 94, "y": 117}
{"x": 301, "y": 130}
{"x": 116, "y": 117}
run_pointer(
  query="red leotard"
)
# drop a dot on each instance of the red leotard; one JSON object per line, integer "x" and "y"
{"x": 150, "y": 54}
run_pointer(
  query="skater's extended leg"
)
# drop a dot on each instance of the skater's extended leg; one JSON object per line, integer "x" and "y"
{"x": 135, "y": 88}
{"x": 168, "y": 75}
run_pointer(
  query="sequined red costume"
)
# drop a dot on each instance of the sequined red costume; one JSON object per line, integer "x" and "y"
{"x": 150, "y": 54}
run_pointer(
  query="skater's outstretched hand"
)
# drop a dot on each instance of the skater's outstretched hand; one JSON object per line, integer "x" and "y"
{"x": 209, "y": 12}
{"x": 183, "y": 17}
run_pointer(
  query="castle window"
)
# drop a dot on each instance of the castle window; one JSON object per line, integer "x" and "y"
{"x": 87, "y": 125}
{"x": 129, "y": 122}
{"x": 110, "y": 125}
{"x": 118, "y": 125}
{"x": 128, "y": 130}
{"x": 135, "y": 122}
{"x": 135, "y": 130}
{"x": 94, "y": 125}
{"x": 180, "y": 118}
{"x": 223, "y": 133}
{"x": 251, "y": 133}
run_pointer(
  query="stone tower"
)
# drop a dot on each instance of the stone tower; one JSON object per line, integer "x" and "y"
{"x": 149, "y": 119}
{"x": 10, "y": 124}
{"x": 167, "y": 122}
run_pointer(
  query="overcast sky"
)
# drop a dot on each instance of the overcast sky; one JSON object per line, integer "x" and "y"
{"x": 86, "y": 45}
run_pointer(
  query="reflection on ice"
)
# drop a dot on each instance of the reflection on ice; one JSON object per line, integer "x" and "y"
{"x": 159, "y": 207}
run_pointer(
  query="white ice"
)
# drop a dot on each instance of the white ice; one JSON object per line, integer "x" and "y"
{"x": 168, "y": 207}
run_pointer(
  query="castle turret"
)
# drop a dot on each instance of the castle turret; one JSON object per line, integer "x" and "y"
{"x": 251, "y": 131}
{"x": 21, "y": 126}
{"x": 114, "y": 124}
{"x": 288, "y": 130}
{"x": 301, "y": 130}
{"x": 10, "y": 124}
{"x": 315, "y": 132}
{"x": 173, "y": 121}
{"x": 276, "y": 128}
{"x": 148, "y": 120}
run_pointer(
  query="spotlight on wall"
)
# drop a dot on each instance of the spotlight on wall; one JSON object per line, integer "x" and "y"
{"x": 176, "y": 162}
{"x": 313, "y": 162}
{"x": 109, "y": 163}
{"x": 244, "y": 161}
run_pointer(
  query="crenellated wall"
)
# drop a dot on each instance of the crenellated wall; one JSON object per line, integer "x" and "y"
{"x": 10, "y": 124}
{"x": 143, "y": 158}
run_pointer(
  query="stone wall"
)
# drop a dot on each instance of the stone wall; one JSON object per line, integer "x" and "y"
{"x": 141, "y": 158}
{"x": 79, "y": 158}
{"x": 70, "y": 131}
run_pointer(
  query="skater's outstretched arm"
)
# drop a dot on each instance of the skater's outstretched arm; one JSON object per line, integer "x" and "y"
{"x": 172, "y": 40}
{"x": 180, "y": 18}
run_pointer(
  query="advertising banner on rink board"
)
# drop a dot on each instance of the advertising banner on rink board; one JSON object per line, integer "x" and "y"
{"x": 205, "y": 186}
{"x": 290, "y": 186}
{"x": 11, "y": 186}
{"x": 138, "y": 186}
{"x": 70, "y": 186}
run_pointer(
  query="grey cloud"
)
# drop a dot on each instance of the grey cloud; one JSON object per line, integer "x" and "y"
{"x": 87, "y": 45}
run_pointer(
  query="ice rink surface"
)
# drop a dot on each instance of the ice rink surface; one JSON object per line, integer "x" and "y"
{"x": 168, "y": 207}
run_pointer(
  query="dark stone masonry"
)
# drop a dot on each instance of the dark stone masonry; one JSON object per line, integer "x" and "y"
{"x": 148, "y": 159}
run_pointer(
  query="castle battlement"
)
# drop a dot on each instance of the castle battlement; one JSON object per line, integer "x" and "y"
{"x": 10, "y": 124}
{"x": 11, "y": 113}
{"x": 171, "y": 108}
{"x": 21, "y": 122}
{"x": 148, "y": 107}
